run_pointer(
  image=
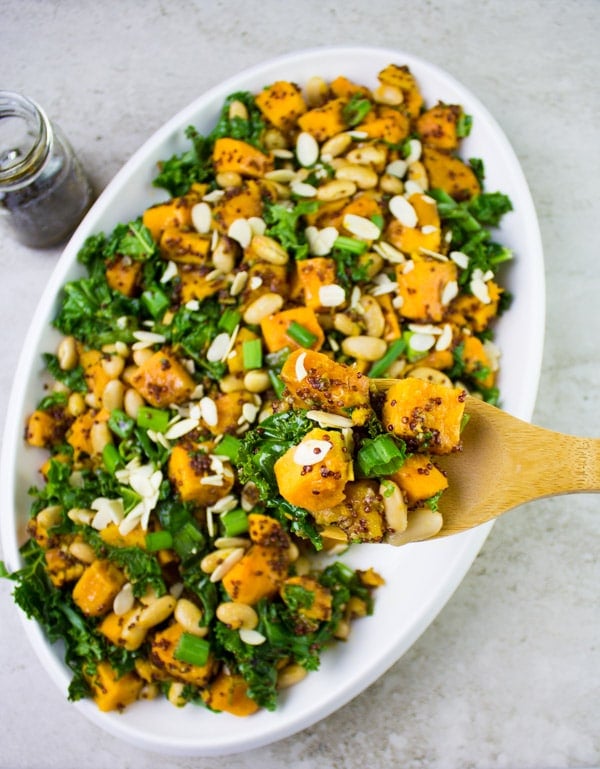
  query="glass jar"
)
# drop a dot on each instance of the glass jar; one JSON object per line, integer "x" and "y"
{"x": 44, "y": 192}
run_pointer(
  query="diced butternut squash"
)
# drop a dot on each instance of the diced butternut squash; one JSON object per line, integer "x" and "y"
{"x": 477, "y": 362}
{"x": 230, "y": 412}
{"x": 428, "y": 416}
{"x": 173, "y": 213}
{"x": 275, "y": 328}
{"x": 267, "y": 531}
{"x": 402, "y": 78}
{"x": 263, "y": 278}
{"x": 79, "y": 434}
{"x": 162, "y": 379}
{"x": 111, "y": 691}
{"x": 365, "y": 204}
{"x": 47, "y": 427}
{"x": 198, "y": 282}
{"x": 315, "y": 381}
{"x": 391, "y": 329}
{"x": 314, "y": 485}
{"x": 112, "y": 536}
{"x": 228, "y": 692}
{"x": 282, "y": 104}
{"x": 237, "y": 203}
{"x": 314, "y": 274}
{"x": 237, "y": 156}
{"x": 426, "y": 234}
{"x": 325, "y": 121}
{"x": 450, "y": 173}
{"x": 468, "y": 310}
{"x": 314, "y": 605}
{"x": 389, "y": 125}
{"x": 437, "y": 126}
{"x": 94, "y": 372}
{"x": 97, "y": 587}
{"x": 184, "y": 247}
{"x": 343, "y": 87}
{"x": 124, "y": 629}
{"x": 360, "y": 515}
{"x": 193, "y": 478}
{"x": 419, "y": 478}
{"x": 422, "y": 288}
{"x": 162, "y": 653}
{"x": 61, "y": 566}
{"x": 258, "y": 574}
{"x": 123, "y": 274}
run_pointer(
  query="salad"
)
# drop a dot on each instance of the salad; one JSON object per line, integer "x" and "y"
{"x": 215, "y": 441}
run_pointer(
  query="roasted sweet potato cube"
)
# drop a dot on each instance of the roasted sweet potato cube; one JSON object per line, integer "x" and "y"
{"x": 47, "y": 427}
{"x": 426, "y": 415}
{"x": 229, "y": 412}
{"x": 194, "y": 479}
{"x": 360, "y": 515}
{"x": 162, "y": 654}
{"x": 267, "y": 531}
{"x": 263, "y": 278}
{"x": 183, "y": 246}
{"x": 258, "y": 574}
{"x": 422, "y": 288}
{"x": 173, "y": 213}
{"x": 313, "y": 274}
{"x": 97, "y": 587}
{"x": 123, "y": 274}
{"x": 315, "y": 604}
{"x": 388, "y": 124}
{"x": 477, "y": 362}
{"x": 315, "y": 381}
{"x": 163, "y": 379}
{"x": 324, "y": 121}
{"x": 343, "y": 87}
{"x": 468, "y": 310}
{"x": 450, "y": 173}
{"x": 198, "y": 282}
{"x": 237, "y": 203}
{"x": 425, "y": 234}
{"x": 235, "y": 359}
{"x": 437, "y": 126}
{"x": 401, "y": 77}
{"x": 237, "y": 156}
{"x": 275, "y": 328}
{"x": 228, "y": 692}
{"x": 111, "y": 691}
{"x": 314, "y": 485}
{"x": 419, "y": 479}
{"x": 282, "y": 104}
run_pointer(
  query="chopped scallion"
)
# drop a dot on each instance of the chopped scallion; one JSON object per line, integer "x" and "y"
{"x": 111, "y": 458}
{"x": 192, "y": 649}
{"x": 120, "y": 423}
{"x": 229, "y": 320}
{"x": 235, "y": 522}
{"x": 392, "y": 353}
{"x": 229, "y": 446}
{"x": 158, "y": 540}
{"x": 301, "y": 334}
{"x": 252, "y": 354}
{"x": 345, "y": 243}
{"x": 150, "y": 418}
{"x": 276, "y": 383}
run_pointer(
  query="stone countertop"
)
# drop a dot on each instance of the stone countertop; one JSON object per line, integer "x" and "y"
{"x": 508, "y": 675}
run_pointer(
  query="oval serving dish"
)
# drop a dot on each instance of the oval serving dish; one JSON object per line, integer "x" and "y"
{"x": 419, "y": 578}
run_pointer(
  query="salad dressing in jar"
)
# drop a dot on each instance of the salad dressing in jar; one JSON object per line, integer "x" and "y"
{"x": 44, "y": 192}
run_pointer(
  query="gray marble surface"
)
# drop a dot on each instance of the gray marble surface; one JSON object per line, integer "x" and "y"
{"x": 508, "y": 675}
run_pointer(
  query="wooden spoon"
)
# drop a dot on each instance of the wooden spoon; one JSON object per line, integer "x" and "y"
{"x": 506, "y": 462}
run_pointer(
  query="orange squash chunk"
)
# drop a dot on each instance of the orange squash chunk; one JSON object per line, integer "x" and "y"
{"x": 97, "y": 587}
{"x": 419, "y": 478}
{"x": 275, "y": 327}
{"x": 187, "y": 468}
{"x": 122, "y": 275}
{"x": 314, "y": 273}
{"x": 450, "y": 174}
{"x": 437, "y": 126}
{"x": 424, "y": 414}
{"x": 110, "y": 691}
{"x": 325, "y": 121}
{"x": 258, "y": 574}
{"x": 163, "y": 380}
{"x": 237, "y": 203}
{"x": 236, "y": 156}
{"x": 422, "y": 287}
{"x": 282, "y": 104}
{"x": 184, "y": 247}
{"x": 228, "y": 692}
{"x": 162, "y": 655}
